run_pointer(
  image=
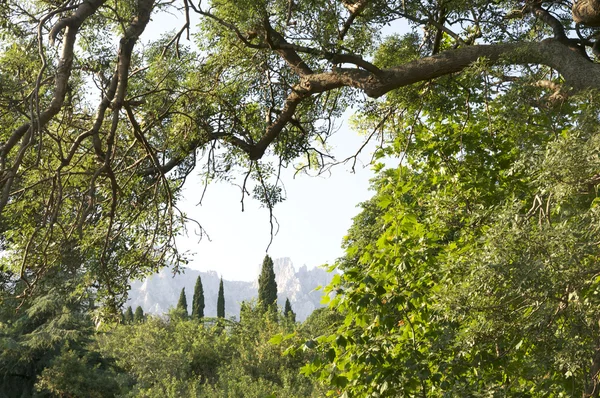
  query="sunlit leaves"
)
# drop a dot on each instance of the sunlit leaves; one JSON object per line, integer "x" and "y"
{"x": 471, "y": 266}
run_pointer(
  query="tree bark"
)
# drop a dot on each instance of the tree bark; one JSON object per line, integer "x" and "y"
{"x": 587, "y": 12}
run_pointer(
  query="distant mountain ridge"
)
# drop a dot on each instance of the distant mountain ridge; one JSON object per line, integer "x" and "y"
{"x": 157, "y": 293}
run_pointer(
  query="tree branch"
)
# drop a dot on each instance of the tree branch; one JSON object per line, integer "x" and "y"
{"x": 577, "y": 71}
{"x": 23, "y": 133}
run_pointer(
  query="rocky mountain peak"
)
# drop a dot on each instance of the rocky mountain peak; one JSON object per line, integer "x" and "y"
{"x": 159, "y": 292}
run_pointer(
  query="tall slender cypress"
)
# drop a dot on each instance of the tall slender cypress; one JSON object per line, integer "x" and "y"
{"x": 221, "y": 301}
{"x": 198, "y": 300}
{"x": 287, "y": 312}
{"x": 182, "y": 303}
{"x": 128, "y": 317}
{"x": 267, "y": 287}
{"x": 138, "y": 317}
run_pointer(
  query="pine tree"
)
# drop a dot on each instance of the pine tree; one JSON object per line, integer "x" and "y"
{"x": 198, "y": 300}
{"x": 182, "y": 303}
{"x": 138, "y": 317}
{"x": 221, "y": 301}
{"x": 267, "y": 287}
{"x": 128, "y": 316}
{"x": 287, "y": 312}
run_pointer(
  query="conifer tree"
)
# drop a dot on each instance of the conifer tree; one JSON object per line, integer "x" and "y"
{"x": 287, "y": 312}
{"x": 182, "y": 303}
{"x": 138, "y": 317}
{"x": 198, "y": 300}
{"x": 128, "y": 317}
{"x": 221, "y": 301}
{"x": 267, "y": 287}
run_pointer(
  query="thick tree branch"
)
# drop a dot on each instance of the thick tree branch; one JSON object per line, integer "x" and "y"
{"x": 355, "y": 10}
{"x": 577, "y": 71}
{"x": 278, "y": 44}
{"x": 544, "y": 15}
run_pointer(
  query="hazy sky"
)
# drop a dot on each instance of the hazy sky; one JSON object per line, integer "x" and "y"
{"x": 312, "y": 220}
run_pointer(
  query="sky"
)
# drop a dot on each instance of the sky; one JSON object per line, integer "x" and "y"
{"x": 312, "y": 220}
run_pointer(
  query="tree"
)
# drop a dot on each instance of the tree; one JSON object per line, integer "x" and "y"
{"x": 267, "y": 287}
{"x": 478, "y": 274}
{"x": 128, "y": 317}
{"x": 456, "y": 272}
{"x": 138, "y": 316}
{"x": 272, "y": 77}
{"x": 221, "y": 301}
{"x": 188, "y": 358}
{"x": 198, "y": 300}
{"x": 180, "y": 356}
{"x": 287, "y": 312}
{"x": 45, "y": 344}
{"x": 182, "y": 303}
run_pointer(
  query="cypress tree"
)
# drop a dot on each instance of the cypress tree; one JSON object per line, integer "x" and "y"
{"x": 221, "y": 301}
{"x": 287, "y": 312}
{"x": 138, "y": 317}
{"x": 198, "y": 300}
{"x": 182, "y": 303}
{"x": 128, "y": 317}
{"x": 267, "y": 287}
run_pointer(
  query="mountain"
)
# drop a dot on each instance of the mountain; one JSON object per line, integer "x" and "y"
{"x": 157, "y": 293}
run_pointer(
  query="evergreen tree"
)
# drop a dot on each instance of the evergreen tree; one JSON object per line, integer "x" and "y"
{"x": 198, "y": 300}
{"x": 287, "y": 312}
{"x": 267, "y": 287}
{"x": 46, "y": 347}
{"x": 138, "y": 317}
{"x": 128, "y": 318}
{"x": 182, "y": 303}
{"x": 221, "y": 301}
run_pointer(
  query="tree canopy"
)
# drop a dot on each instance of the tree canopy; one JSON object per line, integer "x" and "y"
{"x": 99, "y": 129}
{"x": 138, "y": 316}
{"x": 198, "y": 300}
{"x": 182, "y": 307}
{"x": 288, "y": 313}
{"x": 128, "y": 316}
{"x": 221, "y": 300}
{"x": 267, "y": 287}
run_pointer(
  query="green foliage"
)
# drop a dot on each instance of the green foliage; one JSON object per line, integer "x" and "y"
{"x": 138, "y": 317}
{"x": 221, "y": 301}
{"x": 128, "y": 317}
{"x": 100, "y": 126}
{"x": 267, "y": 287}
{"x": 259, "y": 359}
{"x": 287, "y": 311}
{"x": 180, "y": 357}
{"x": 198, "y": 300}
{"x": 44, "y": 345}
{"x": 176, "y": 356}
{"x": 472, "y": 270}
{"x": 321, "y": 321}
{"x": 182, "y": 304}
{"x": 71, "y": 375}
